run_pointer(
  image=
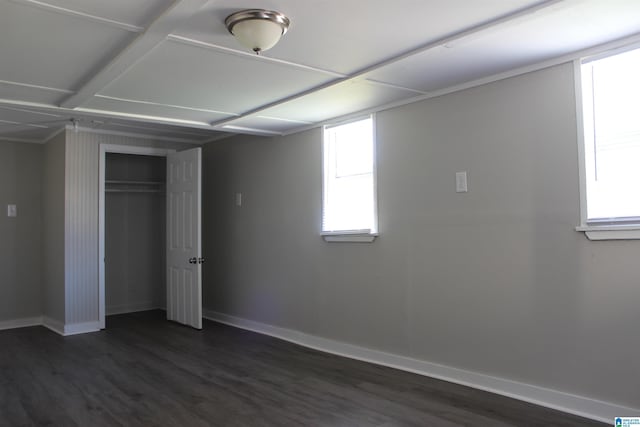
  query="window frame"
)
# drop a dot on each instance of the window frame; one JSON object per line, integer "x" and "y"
{"x": 623, "y": 229}
{"x": 352, "y": 236}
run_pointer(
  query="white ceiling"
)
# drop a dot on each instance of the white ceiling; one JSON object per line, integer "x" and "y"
{"x": 170, "y": 68}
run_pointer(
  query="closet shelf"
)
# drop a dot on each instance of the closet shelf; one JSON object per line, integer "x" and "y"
{"x": 122, "y": 186}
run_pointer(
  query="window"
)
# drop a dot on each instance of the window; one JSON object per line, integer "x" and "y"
{"x": 611, "y": 126}
{"x": 349, "y": 199}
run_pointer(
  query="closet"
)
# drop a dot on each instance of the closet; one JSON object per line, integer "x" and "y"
{"x": 135, "y": 232}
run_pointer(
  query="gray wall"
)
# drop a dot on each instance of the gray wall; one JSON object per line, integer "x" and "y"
{"x": 53, "y": 187}
{"x": 20, "y": 237}
{"x": 494, "y": 281}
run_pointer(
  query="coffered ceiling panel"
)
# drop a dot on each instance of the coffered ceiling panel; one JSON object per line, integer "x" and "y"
{"x": 347, "y": 36}
{"x": 566, "y": 27}
{"x": 174, "y": 133}
{"x": 335, "y": 101}
{"x": 132, "y": 12}
{"x": 153, "y": 110}
{"x": 17, "y": 115}
{"x": 27, "y": 93}
{"x": 36, "y": 124}
{"x": 170, "y": 68}
{"x": 264, "y": 125}
{"x": 189, "y": 76}
{"x": 26, "y": 125}
{"x": 44, "y": 48}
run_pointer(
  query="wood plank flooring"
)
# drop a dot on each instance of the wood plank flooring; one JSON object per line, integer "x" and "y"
{"x": 145, "y": 371}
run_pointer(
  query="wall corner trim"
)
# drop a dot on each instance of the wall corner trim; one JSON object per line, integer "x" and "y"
{"x": 53, "y": 325}
{"x": 20, "y": 323}
{"x": 69, "y": 329}
{"x": 558, "y": 400}
{"x": 81, "y": 328}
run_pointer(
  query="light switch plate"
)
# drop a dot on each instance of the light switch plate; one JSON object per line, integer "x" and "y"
{"x": 238, "y": 199}
{"x": 461, "y": 182}
{"x": 12, "y": 211}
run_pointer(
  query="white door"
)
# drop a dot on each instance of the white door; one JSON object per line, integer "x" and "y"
{"x": 184, "y": 257}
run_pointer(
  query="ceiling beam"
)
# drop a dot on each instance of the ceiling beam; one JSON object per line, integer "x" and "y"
{"x": 361, "y": 74}
{"x": 152, "y": 36}
{"x": 139, "y": 124}
{"x": 9, "y": 128}
{"x": 99, "y": 114}
{"x": 30, "y": 86}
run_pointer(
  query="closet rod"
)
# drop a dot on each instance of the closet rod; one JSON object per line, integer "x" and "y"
{"x": 132, "y": 190}
{"x": 118, "y": 182}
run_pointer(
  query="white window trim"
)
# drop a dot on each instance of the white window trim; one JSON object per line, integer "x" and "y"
{"x": 610, "y": 232}
{"x": 593, "y": 230}
{"x": 354, "y": 236}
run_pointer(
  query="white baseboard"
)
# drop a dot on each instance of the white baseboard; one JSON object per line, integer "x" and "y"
{"x": 131, "y": 308}
{"x": 81, "y": 328}
{"x": 70, "y": 329}
{"x": 566, "y": 402}
{"x": 20, "y": 323}
{"x": 54, "y": 325}
{"x": 60, "y": 328}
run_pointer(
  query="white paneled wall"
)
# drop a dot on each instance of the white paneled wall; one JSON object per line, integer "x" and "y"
{"x": 81, "y": 227}
{"x": 81, "y": 222}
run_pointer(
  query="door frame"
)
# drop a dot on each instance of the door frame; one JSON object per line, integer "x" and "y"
{"x": 121, "y": 149}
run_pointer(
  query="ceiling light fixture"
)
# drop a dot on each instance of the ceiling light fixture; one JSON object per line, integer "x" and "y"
{"x": 257, "y": 29}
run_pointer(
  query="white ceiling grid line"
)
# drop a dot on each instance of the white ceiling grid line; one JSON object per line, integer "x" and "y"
{"x": 141, "y": 118}
{"x": 52, "y": 89}
{"x": 154, "y": 35}
{"x": 633, "y": 40}
{"x": 181, "y": 107}
{"x": 431, "y": 45}
{"x": 67, "y": 113}
{"x": 156, "y": 66}
{"x": 69, "y": 12}
{"x": 252, "y": 55}
{"x": 152, "y": 128}
{"x": 140, "y": 135}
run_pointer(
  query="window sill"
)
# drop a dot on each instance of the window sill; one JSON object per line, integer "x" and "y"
{"x": 348, "y": 237}
{"x": 611, "y": 232}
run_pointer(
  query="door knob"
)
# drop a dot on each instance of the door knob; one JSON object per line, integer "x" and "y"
{"x": 193, "y": 260}
{"x": 200, "y": 260}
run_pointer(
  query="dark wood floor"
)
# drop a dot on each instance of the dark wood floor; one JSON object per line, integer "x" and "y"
{"x": 143, "y": 370}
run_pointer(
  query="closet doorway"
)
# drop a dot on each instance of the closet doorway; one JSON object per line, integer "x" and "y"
{"x": 132, "y": 229}
{"x": 150, "y": 215}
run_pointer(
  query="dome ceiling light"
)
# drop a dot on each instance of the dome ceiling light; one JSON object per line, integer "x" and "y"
{"x": 257, "y": 29}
